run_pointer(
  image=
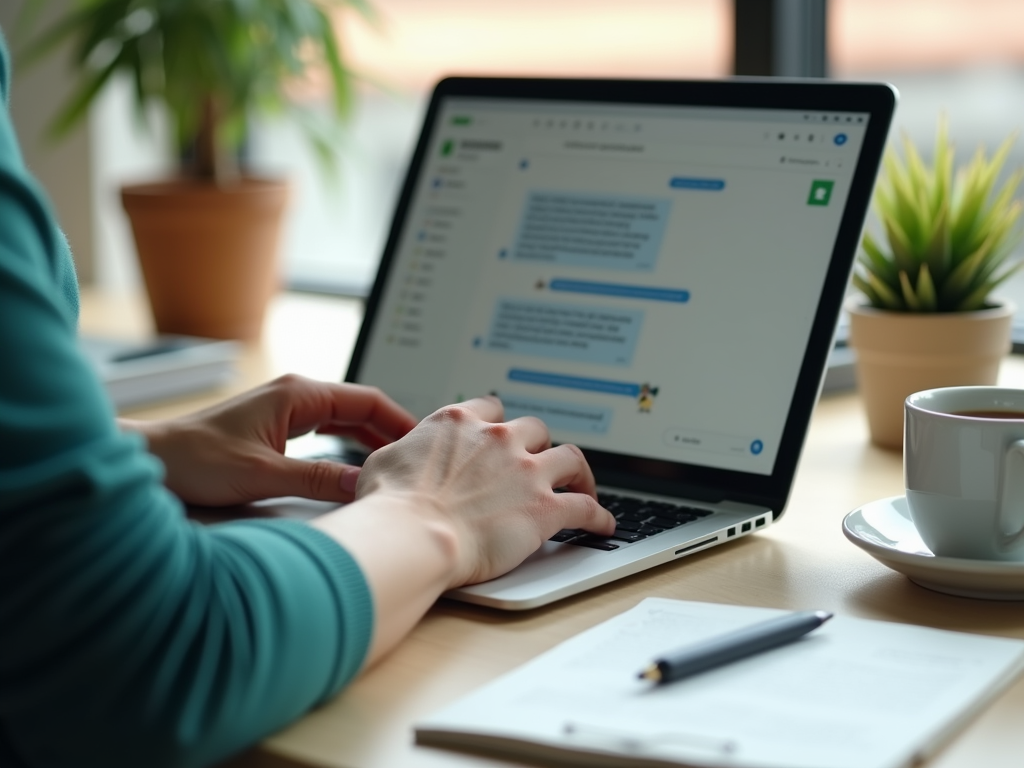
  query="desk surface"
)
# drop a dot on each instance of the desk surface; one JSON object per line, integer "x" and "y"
{"x": 804, "y": 562}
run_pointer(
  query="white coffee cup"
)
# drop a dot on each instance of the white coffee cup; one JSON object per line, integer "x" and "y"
{"x": 963, "y": 465}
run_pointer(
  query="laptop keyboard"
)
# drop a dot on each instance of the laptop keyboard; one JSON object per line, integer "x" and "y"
{"x": 635, "y": 519}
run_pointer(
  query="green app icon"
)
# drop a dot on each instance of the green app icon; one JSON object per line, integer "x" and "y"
{"x": 821, "y": 192}
{"x": 447, "y": 147}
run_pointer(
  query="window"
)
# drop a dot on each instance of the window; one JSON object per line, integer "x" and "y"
{"x": 335, "y": 236}
{"x": 964, "y": 58}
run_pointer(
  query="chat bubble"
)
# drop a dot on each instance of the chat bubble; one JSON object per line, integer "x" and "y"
{"x": 603, "y": 335}
{"x": 704, "y": 185}
{"x": 583, "y": 383}
{"x": 572, "y": 417}
{"x": 594, "y": 231}
{"x": 646, "y": 292}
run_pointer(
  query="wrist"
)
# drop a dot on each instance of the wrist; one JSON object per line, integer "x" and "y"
{"x": 408, "y": 554}
{"x": 395, "y": 525}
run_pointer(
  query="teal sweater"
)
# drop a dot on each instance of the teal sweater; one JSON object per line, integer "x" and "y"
{"x": 130, "y": 636}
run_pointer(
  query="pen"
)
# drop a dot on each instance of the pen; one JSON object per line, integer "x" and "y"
{"x": 733, "y": 645}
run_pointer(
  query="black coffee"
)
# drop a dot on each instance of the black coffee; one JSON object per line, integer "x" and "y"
{"x": 991, "y": 414}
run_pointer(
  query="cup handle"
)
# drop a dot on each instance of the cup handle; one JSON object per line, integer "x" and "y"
{"x": 1011, "y": 499}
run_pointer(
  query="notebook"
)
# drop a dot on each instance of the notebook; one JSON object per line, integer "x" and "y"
{"x": 853, "y": 694}
{"x": 168, "y": 366}
{"x": 655, "y": 269}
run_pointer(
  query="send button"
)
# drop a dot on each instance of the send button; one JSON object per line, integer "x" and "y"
{"x": 687, "y": 182}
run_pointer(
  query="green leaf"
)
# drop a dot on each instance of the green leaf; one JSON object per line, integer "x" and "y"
{"x": 865, "y": 287}
{"x": 977, "y": 299}
{"x": 936, "y": 254}
{"x": 926, "y": 291}
{"x": 961, "y": 281}
{"x": 889, "y": 298}
{"x": 36, "y": 49}
{"x": 81, "y": 99}
{"x": 902, "y": 249}
{"x": 876, "y": 261}
{"x": 909, "y": 297}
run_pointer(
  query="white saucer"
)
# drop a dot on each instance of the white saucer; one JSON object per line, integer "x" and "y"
{"x": 884, "y": 530}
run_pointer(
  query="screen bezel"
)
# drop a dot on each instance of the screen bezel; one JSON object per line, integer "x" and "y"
{"x": 878, "y": 100}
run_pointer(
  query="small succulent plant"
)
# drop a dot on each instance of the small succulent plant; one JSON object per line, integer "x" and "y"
{"x": 949, "y": 235}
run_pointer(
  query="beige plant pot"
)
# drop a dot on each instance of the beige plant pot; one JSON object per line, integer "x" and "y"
{"x": 899, "y": 353}
{"x": 208, "y": 254}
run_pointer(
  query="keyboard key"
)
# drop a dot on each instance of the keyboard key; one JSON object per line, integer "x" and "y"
{"x": 565, "y": 536}
{"x": 627, "y": 504}
{"x": 650, "y": 530}
{"x": 594, "y": 542}
{"x": 637, "y": 517}
{"x": 627, "y": 525}
{"x": 628, "y": 536}
{"x": 696, "y": 511}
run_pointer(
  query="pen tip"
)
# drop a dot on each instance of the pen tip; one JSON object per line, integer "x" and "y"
{"x": 651, "y": 673}
{"x": 824, "y": 615}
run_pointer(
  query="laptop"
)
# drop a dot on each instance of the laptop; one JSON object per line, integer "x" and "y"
{"x": 654, "y": 269}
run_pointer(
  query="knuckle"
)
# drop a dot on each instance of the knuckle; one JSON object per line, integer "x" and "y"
{"x": 289, "y": 381}
{"x": 499, "y": 433}
{"x": 378, "y": 459}
{"x": 527, "y": 464}
{"x": 455, "y": 414}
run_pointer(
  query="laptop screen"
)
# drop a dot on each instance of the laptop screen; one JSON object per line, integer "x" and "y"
{"x": 642, "y": 278}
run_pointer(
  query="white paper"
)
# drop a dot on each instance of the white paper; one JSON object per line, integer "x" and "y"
{"x": 852, "y": 694}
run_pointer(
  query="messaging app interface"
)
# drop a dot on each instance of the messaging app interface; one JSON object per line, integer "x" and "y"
{"x": 643, "y": 279}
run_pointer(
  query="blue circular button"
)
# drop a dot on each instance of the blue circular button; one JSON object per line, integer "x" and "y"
{"x": 756, "y": 447}
{"x": 840, "y": 139}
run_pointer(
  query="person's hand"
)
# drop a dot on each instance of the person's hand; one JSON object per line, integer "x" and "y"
{"x": 489, "y": 483}
{"x": 233, "y": 452}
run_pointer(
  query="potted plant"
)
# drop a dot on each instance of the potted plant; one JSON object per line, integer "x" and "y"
{"x": 207, "y": 240}
{"x": 930, "y": 319}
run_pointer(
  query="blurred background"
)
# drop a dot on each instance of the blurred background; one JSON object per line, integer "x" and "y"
{"x": 964, "y": 58}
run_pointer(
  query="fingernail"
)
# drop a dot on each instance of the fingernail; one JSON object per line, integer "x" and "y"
{"x": 349, "y": 478}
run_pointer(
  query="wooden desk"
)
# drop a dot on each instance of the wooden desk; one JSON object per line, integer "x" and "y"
{"x": 804, "y": 562}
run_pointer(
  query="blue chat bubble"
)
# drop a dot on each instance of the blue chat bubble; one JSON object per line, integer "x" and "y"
{"x": 615, "y": 289}
{"x": 573, "y": 417}
{"x": 708, "y": 185}
{"x": 597, "y": 231}
{"x": 584, "y": 383}
{"x": 604, "y": 335}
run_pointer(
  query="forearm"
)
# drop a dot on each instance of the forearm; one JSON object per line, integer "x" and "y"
{"x": 407, "y": 553}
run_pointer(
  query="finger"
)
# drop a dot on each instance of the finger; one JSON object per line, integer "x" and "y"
{"x": 565, "y": 467}
{"x": 532, "y": 432}
{"x": 365, "y": 434}
{"x": 319, "y": 480}
{"x": 487, "y": 408}
{"x": 577, "y": 510}
{"x": 315, "y": 403}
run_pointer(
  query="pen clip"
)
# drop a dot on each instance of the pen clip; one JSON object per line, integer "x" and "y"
{"x": 609, "y": 739}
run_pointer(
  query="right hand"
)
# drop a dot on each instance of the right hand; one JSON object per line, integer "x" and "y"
{"x": 489, "y": 484}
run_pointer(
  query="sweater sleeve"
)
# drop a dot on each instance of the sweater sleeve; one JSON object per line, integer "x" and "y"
{"x": 130, "y": 636}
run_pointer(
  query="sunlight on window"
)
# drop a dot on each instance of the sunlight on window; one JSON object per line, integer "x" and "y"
{"x": 420, "y": 42}
{"x": 335, "y": 237}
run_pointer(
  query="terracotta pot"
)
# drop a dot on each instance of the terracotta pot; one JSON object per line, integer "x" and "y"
{"x": 209, "y": 254}
{"x": 899, "y": 353}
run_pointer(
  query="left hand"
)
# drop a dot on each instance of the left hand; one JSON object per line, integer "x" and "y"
{"x": 233, "y": 452}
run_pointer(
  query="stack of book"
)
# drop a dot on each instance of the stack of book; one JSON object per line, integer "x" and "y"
{"x": 138, "y": 373}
